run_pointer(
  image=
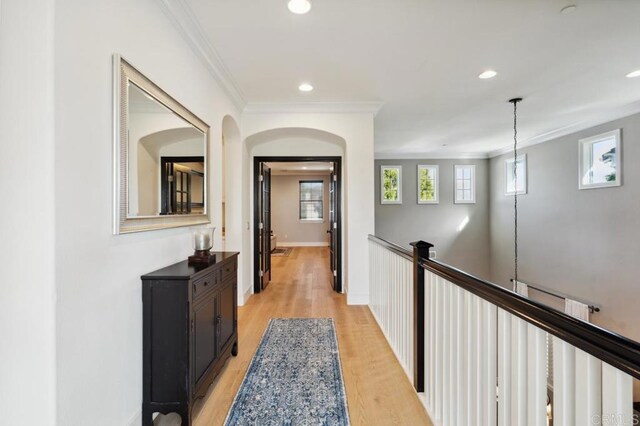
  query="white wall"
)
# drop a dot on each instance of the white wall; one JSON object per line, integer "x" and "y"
{"x": 27, "y": 291}
{"x": 285, "y": 211}
{"x": 99, "y": 310}
{"x": 356, "y": 130}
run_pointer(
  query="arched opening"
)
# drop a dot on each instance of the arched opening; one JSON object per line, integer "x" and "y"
{"x": 295, "y": 145}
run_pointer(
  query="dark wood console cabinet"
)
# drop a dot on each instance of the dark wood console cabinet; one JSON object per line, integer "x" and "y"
{"x": 190, "y": 328}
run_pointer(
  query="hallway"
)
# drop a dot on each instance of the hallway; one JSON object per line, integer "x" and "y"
{"x": 378, "y": 391}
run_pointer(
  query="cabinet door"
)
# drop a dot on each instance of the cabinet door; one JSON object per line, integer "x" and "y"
{"x": 227, "y": 312}
{"x": 204, "y": 335}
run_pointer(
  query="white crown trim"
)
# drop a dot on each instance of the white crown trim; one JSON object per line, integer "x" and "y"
{"x": 187, "y": 24}
{"x": 313, "y": 107}
{"x": 612, "y": 115}
{"x": 433, "y": 155}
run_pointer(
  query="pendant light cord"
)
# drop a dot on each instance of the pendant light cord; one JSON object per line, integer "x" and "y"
{"x": 515, "y": 187}
{"x": 515, "y": 196}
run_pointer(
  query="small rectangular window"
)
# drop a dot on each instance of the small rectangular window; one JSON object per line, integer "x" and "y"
{"x": 465, "y": 184}
{"x": 516, "y": 176}
{"x": 391, "y": 184}
{"x": 311, "y": 200}
{"x": 428, "y": 184}
{"x": 600, "y": 161}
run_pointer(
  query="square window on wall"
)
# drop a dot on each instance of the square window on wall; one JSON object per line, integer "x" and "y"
{"x": 600, "y": 161}
{"x": 428, "y": 181}
{"x": 391, "y": 184}
{"x": 465, "y": 184}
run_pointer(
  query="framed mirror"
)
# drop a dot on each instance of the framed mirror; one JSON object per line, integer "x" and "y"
{"x": 160, "y": 157}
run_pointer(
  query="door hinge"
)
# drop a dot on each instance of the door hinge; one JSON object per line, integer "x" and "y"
{"x": 261, "y": 178}
{"x": 335, "y": 273}
{"x": 261, "y": 273}
{"x": 261, "y": 225}
{"x": 335, "y": 225}
{"x": 335, "y": 178}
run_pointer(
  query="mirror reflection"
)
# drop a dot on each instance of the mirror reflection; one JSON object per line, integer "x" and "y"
{"x": 166, "y": 159}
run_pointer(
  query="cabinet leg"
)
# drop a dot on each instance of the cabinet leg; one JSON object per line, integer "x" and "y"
{"x": 234, "y": 349}
{"x": 147, "y": 416}
{"x": 185, "y": 415}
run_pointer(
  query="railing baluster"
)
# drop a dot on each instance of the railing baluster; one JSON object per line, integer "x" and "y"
{"x": 617, "y": 396}
{"x": 564, "y": 367}
{"x": 505, "y": 369}
{"x": 588, "y": 388}
{"x": 537, "y": 376}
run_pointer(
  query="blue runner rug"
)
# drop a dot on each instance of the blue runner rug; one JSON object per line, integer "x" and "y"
{"x": 294, "y": 378}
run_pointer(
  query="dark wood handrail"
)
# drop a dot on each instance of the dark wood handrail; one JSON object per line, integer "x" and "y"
{"x": 407, "y": 254}
{"x": 612, "y": 348}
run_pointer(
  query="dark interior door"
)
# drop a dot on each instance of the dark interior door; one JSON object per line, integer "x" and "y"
{"x": 265, "y": 225}
{"x": 333, "y": 231}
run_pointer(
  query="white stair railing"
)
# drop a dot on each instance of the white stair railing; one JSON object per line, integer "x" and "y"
{"x": 484, "y": 357}
{"x": 391, "y": 299}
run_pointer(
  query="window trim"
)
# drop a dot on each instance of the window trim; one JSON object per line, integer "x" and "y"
{"x": 582, "y": 143}
{"x": 390, "y": 167}
{"x": 436, "y": 180}
{"x": 473, "y": 184}
{"x": 300, "y": 200}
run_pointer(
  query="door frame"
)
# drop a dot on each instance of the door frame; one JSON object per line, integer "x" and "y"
{"x": 256, "y": 213}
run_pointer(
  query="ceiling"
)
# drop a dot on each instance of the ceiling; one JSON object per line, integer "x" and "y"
{"x": 422, "y": 59}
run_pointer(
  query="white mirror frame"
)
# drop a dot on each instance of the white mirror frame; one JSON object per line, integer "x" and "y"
{"x": 122, "y": 73}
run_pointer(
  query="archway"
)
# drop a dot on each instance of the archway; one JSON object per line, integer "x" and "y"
{"x": 295, "y": 144}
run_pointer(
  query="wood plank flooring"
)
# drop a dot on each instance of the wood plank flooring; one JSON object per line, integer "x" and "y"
{"x": 378, "y": 391}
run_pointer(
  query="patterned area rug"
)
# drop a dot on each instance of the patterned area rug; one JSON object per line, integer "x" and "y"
{"x": 281, "y": 251}
{"x": 294, "y": 378}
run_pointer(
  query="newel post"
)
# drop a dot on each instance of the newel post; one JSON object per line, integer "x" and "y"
{"x": 420, "y": 250}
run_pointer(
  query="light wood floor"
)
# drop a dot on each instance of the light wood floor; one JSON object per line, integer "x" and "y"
{"x": 378, "y": 391}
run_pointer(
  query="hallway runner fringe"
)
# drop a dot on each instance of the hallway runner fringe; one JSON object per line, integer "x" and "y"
{"x": 295, "y": 377}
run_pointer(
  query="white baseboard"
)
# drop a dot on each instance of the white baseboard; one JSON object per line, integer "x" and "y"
{"x": 357, "y": 299}
{"x": 136, "y": 419}
{"x": 245, "y": 296}
{"x": 289, "y": 244}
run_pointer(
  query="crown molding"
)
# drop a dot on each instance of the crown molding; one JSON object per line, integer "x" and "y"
{"x": 313, "y": 107}
{"x": 614, "y": 114}
{"x": 188, "y": 26}
{"x": 433, "y": 155}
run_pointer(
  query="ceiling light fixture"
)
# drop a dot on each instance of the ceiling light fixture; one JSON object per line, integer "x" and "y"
{"x": 568, "y": 9}
{"x": 487, "y": 74}
{"x": 634, "y": 74}
{"x": 299, "y": 7}
{"x": 305, "y": 87}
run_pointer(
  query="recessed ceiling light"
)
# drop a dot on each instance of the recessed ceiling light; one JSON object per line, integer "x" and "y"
{"x": 299, "y": 7}
{"x": 568, "y": 9}
{"x": 634, "y": 74}
{"x": 305, "y": 87}
{"x": 304, "y": 168}
{"x": 487, "y": 74}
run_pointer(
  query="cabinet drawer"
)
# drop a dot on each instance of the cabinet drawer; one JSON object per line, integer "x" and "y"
{"x": 229, "y": 270}
{"x": 205, "y": 284}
